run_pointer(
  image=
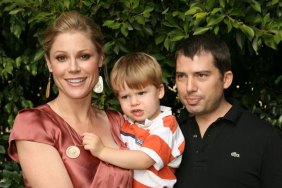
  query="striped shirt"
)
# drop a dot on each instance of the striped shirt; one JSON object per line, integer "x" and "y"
{"x": 163, "y": 141}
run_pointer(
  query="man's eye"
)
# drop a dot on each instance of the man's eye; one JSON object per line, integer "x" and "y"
{"x": 201, "y": 75}
{"x": 180, "y": 77}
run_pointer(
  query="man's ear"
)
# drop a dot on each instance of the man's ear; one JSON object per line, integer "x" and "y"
{"x": 227, "y": 79}
{"x": 161, "y": 91}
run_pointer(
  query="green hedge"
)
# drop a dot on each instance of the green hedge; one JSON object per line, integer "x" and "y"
{"x": 252, "y": 29}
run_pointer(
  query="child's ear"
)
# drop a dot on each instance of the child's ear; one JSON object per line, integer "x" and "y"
{"x": 161, "y": 91}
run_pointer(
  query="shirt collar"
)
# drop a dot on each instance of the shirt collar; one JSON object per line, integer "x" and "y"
{"x": 165, "y": 111}
{"x": 232, "y": 115}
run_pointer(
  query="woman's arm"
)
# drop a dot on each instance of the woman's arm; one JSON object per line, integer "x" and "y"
{"x": 128, "y": 159}
{"x": 42, "y": 165}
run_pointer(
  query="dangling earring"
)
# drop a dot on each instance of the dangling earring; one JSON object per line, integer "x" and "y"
{"x": 47, "y": 94}
{"x": 98, "y": 88}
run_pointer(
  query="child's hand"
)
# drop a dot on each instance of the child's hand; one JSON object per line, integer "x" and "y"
{"x": 92, "y": 143}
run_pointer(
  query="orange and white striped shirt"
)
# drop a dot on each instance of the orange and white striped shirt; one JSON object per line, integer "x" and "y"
{"x": 163, "y": 141}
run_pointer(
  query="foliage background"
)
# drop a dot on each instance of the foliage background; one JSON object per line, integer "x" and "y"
{"x": 251, "y": 28}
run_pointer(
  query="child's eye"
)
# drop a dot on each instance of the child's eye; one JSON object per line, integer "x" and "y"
{"x": 124, "y": 97}
{"x": 141, "y": 92}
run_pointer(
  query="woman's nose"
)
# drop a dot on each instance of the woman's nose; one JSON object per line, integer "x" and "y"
{"x": 74, "y": 65}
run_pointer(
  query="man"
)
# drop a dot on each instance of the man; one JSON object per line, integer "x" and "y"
{"x": 226, "y": 146}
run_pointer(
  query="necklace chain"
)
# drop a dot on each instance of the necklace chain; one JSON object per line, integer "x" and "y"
{"x": 68, "y": 126}
{"x": 72, "y": 151}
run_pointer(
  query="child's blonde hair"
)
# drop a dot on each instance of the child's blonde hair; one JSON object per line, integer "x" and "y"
{"x": 136, "y": 70}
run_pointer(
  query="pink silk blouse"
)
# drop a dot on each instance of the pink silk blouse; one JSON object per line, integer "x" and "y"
{"x": 43, "y": 125}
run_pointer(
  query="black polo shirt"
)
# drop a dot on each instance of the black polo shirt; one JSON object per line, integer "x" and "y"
{"x": 238, "y": 150}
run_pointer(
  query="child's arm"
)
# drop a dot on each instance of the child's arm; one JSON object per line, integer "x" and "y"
{"x": 128, "y": 159}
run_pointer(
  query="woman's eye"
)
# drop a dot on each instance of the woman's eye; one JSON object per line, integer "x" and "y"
{"x": 61, "y": 58}
{"x": 85, "y": 57}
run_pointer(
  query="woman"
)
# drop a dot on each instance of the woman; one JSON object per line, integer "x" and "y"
{"x": 47, "y": 140}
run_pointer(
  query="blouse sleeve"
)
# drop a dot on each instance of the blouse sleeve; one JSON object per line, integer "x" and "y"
{"x": 116, "y": 121}
{"x": 31, "y": 125}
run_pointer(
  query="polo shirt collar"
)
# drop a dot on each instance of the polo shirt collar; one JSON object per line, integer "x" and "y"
{"x": 232, "y": 115}
{"x": 165, "y": 111}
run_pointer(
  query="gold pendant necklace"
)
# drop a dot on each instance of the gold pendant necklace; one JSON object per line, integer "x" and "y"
{"x": 72, "y": 151}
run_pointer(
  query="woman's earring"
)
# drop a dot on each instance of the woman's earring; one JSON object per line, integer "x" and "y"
{"x": 99, "y": 86}
{"x": 47, "y": 94}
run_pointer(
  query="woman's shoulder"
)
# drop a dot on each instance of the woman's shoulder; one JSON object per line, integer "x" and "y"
{"x": 33, "y": 116}
{"x": 35, "y": 110}
{"x": 114, "y": 116}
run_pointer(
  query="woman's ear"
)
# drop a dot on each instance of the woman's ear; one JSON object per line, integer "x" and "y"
{"x": 101, "y": 60}
{"x": 161, "y": 91}
{"x": 227, "y": 79}
{"x": 48, "y": 63}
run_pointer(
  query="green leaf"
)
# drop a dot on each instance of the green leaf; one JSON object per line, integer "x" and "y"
{"x": 222, "y": 3}
{"x": 255, "y": 44}
{"x": 8, "y": 108}
{"x": 140, "y": 19}
{"x": 16, "y": 11}
{"x": 16, "y": 29}
{"x": 229, "y": 25}
{"x": 278, "y": 80}
{"x": 136, "y": 4}
{"x": 167, "y": 44}
{"x": 216, "y": 29}
{"x": 201, "y": 30}
{"x": 149, "y": 31}
{"x": 39, "y": 55}
{"x": 215, "y": 10}
{"x": 147, "y": 11}
{"x": 124, "y": 30}
{"x": 159, "y": 39}
{"x": 249, "y": 32}
{"x": 177, "y": 38}
{"x": 215, "y": 20}
{"x": 240, "y": 40}
{"x": 193, "y": 11}
{"x": 111, "y": 24}
{"x": 165, "y": 11}
{"x": 256, "y": 6}
{"x": 201, "y": 15}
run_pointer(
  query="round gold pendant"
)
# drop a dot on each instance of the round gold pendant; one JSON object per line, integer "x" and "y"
{"x": 73, "y": 152}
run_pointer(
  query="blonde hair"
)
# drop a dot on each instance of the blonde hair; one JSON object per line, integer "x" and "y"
{"x": 136, "y": 70}
{"x": 72, "y": 21}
